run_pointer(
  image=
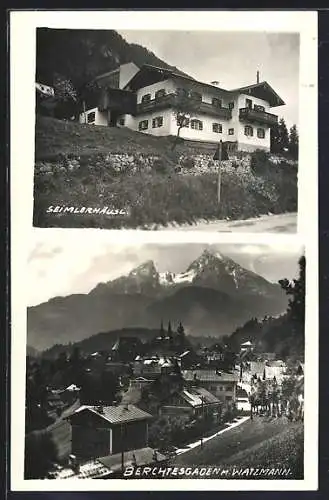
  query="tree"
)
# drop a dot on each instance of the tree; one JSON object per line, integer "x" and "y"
{"x": 185, "y": 106}
{"x": 283, "y": 136}
{"x": 162, "y": 331}
{"x": 293, "y": 141}
{"x": 66, "y": 96}
{"x": 274, "y": 137}
{"x": 40, "y": 454}
{"x": 296, "y": 289}
{"x": 279, "y": 137}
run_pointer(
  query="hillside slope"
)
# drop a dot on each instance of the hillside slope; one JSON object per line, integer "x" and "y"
{"x": 79, "y": 55}
{"x": 88, "y": 166}
{"x": 54, "y": 139}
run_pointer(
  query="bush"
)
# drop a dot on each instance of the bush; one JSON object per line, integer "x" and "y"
{"x": 188, "y": 163}
{"x": 259, "y": 161}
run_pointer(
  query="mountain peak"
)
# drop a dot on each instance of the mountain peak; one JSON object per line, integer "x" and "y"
{"x": 207, "y": 258}
{"x": 147, "y": 268}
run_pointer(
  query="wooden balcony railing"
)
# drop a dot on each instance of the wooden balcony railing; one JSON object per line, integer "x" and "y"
{"x": 170, "y": 100}
{"x": 254, "y": 115}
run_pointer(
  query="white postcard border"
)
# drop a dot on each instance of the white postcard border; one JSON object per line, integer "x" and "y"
{"x": 22, "y": 46}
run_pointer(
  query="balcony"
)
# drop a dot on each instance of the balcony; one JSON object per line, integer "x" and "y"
{"x": 169, "y": 100}
{"x": 254, "y": 115}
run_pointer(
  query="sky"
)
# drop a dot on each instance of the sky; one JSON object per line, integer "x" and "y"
{"x": 69, "y": 262}
{"x": 231, "y": 58}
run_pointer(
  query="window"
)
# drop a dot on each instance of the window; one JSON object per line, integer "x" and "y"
{"x": 231, "y": 105}
{"x": 231, "y": 131}
{"x": 228, "y": 388}
{"x": 217, "y": 127}
{"x": 143, "y": 125}
{"x": 259, "y": 108}
{"x": 260, "y": 133}
{"x": 248, "y": 130}
{"x": 160, "y": 93}
{"x": 196, "y": 96}
{"x": 249, "y": 103}
{"x": 146, "y": 98}
{"x": 197, "y": 124}
{"x": 122, "y": 122}
{"x": 91, "y": 117}
{"x": 216, "y": 102}
{"x": 157, "y": 122}
{"x": 228, "y": 398}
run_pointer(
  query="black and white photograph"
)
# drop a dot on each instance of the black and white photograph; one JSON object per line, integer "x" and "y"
{"x": 165, "y": 361}
{"x": 187, "y": 130}
{"x": 164, "y": 259}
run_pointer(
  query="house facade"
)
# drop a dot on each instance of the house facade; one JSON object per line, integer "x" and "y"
{"x": 241, "y": 116}
{"x": 193, "y": 401}
{"x": 223, "y": 385}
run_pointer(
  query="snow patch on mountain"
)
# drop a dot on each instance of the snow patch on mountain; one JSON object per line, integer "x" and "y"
{"x": 169, "y": 278}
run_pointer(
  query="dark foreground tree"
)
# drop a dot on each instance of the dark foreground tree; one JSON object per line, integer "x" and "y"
{"x": 40, "y": 454}
{"x": 296, "y": 290}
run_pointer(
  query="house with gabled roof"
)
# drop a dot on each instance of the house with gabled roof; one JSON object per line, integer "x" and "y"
{"x": 194, "y": 401}
{"x": 106, "y": 430}
{"x": 221, "y": 384}
{"x": 145, "y": 99}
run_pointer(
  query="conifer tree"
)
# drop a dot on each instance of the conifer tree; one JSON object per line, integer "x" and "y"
{"x": 293, "y": 141}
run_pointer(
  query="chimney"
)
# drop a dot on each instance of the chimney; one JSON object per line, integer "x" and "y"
{"x": 215, "y": 82}
{"x": 257, "y": 76}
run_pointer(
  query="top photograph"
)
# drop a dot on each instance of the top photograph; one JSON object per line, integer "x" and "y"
{"x": 166, "y": 130}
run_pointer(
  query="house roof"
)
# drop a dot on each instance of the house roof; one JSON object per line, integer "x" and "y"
{"x": 209, "y": 376}
{"x": 262, "y": 90}
{"x": 198, "y": 395}
{"x": 148, "y": 74}
{"x": 206, "y": 395}
{"x": 90, "y": 469}
{"x": 143, "y": 456}
{"x": 116, "y": 414}
{"x": 72, "y": 387}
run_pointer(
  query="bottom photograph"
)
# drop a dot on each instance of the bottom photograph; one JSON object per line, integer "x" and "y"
{"x": 164, "y": 361}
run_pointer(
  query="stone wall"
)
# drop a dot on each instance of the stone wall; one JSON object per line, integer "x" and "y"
{"x": 129, "y": 164}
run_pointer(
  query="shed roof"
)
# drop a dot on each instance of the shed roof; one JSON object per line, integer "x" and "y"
{"x": 116, "y": 414}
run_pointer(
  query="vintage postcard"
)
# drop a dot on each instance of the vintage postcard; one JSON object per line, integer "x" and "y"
{"x": 186, "y": 129}
{"x": 163, "y": 361}
{"x": 164, "y": 251}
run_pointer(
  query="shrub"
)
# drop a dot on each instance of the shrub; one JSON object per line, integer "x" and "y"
{"x": 188, "y": 163}
{"x": 259, "y": 161}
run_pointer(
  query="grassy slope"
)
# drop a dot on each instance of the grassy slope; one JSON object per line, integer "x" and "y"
{"x": 152, "y": 197}
{"x": 262, "y": 442}
{"x": 54, "y": 137}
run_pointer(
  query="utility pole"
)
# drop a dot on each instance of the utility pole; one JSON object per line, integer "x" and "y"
{"x": 202, "y": 416}
{"x": 220, "y": 155}
{"x": 122, "y": 450}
